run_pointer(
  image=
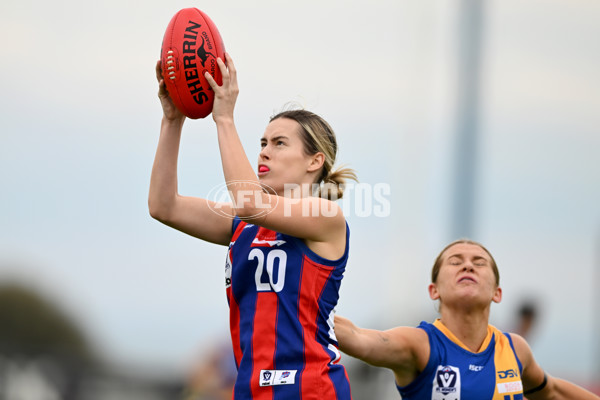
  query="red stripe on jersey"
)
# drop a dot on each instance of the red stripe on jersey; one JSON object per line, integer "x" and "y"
{"x": 264, "y": 342}
{"x": 238, "y": 231}
{"x": 312, "y": 282}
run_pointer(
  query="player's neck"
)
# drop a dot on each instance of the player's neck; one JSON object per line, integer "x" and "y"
{"x": 470, "y": 328}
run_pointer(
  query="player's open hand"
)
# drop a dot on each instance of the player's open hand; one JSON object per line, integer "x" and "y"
{"x": 170, "y": 111}
{"x": 226, "y": 94}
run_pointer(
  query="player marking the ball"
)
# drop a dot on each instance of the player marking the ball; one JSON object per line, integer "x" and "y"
{"x": 283, "y": 268}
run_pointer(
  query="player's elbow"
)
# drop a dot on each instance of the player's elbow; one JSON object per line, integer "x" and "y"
{"x": 159, "y": 209}
{"x": 250, "y": 215}
{"x": 155, "y": 211}
{"x": 251, "y": 206}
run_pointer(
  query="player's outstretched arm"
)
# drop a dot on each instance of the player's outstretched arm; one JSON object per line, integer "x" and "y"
{"x": 404, "y": 350}
{"x": 190, "y": 215}
{"x": 540, "y": 386}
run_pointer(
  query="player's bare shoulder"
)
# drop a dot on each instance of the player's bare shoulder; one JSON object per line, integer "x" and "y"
{"x": 406, "y": 336}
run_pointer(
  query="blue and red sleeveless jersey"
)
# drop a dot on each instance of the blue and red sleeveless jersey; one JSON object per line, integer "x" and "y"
{"x": 453, "y": 372}
{"x": 281, "y": 299}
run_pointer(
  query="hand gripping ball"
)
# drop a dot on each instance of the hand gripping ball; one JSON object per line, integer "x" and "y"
{"x": 190, "y": 47}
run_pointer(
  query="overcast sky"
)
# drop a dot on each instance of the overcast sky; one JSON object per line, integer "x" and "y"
{"x": 80, "y": 122}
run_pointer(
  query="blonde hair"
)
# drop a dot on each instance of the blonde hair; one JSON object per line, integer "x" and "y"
{"x": 318, "y": 136}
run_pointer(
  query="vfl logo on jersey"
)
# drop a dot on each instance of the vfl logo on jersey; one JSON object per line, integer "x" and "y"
{"x": 275, "y": 377}
{"x": 446, "y": 383}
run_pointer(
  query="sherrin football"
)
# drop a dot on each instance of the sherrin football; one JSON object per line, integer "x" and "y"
{"x": 190, "y": 47}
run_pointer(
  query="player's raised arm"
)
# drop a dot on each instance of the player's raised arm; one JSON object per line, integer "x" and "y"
{"x": 190, "y": 215}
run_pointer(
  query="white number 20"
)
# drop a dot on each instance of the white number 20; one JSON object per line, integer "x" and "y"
{"x": 271, "y": 256}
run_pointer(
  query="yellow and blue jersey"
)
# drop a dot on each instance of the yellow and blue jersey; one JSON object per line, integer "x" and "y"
{"x": 453, "y": 372}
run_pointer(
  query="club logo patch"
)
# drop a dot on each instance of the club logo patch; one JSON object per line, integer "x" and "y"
{"x": 274, "y": 377}
{"x": 446, "y": 383}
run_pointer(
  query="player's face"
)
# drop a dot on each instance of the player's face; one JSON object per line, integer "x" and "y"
{"x": 282, "y": 159}
{"x": 466, "y": 274}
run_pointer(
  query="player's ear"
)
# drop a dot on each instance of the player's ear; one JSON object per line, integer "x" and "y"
{"x": 433, "y": 292}
{"x": 497, "y": 295}
{"x": 316, "y": 161}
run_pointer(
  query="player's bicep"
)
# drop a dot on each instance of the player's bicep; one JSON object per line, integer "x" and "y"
{"x": 389, "y": 349}
{"x": 533, "y": 374}
{"x": 398, "y": 348}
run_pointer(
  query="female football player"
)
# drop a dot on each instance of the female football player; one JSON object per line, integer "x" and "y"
{"x": 287, "y": 243}
{"x": 460, "y": 355}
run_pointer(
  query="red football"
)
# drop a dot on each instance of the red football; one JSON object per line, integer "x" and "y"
{"x": 190, "y": 47}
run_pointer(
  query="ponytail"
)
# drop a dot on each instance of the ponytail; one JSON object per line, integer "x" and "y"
{"x": 333, "y": 184}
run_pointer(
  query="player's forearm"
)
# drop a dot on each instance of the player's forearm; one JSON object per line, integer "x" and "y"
{"x": 163, "y": 180}
{"x": 374, "y": 347}
{"x": 349, "y": 338}
{"x": 559, "y": 389}
{"x": 236, "y": 165}
{"x": 566, "y": 390}
{"x": 243, "y": 184}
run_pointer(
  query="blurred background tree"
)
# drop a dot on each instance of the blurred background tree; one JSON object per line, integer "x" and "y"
{"x": 43, "y": 352}
{"x": 33, "y": 326}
